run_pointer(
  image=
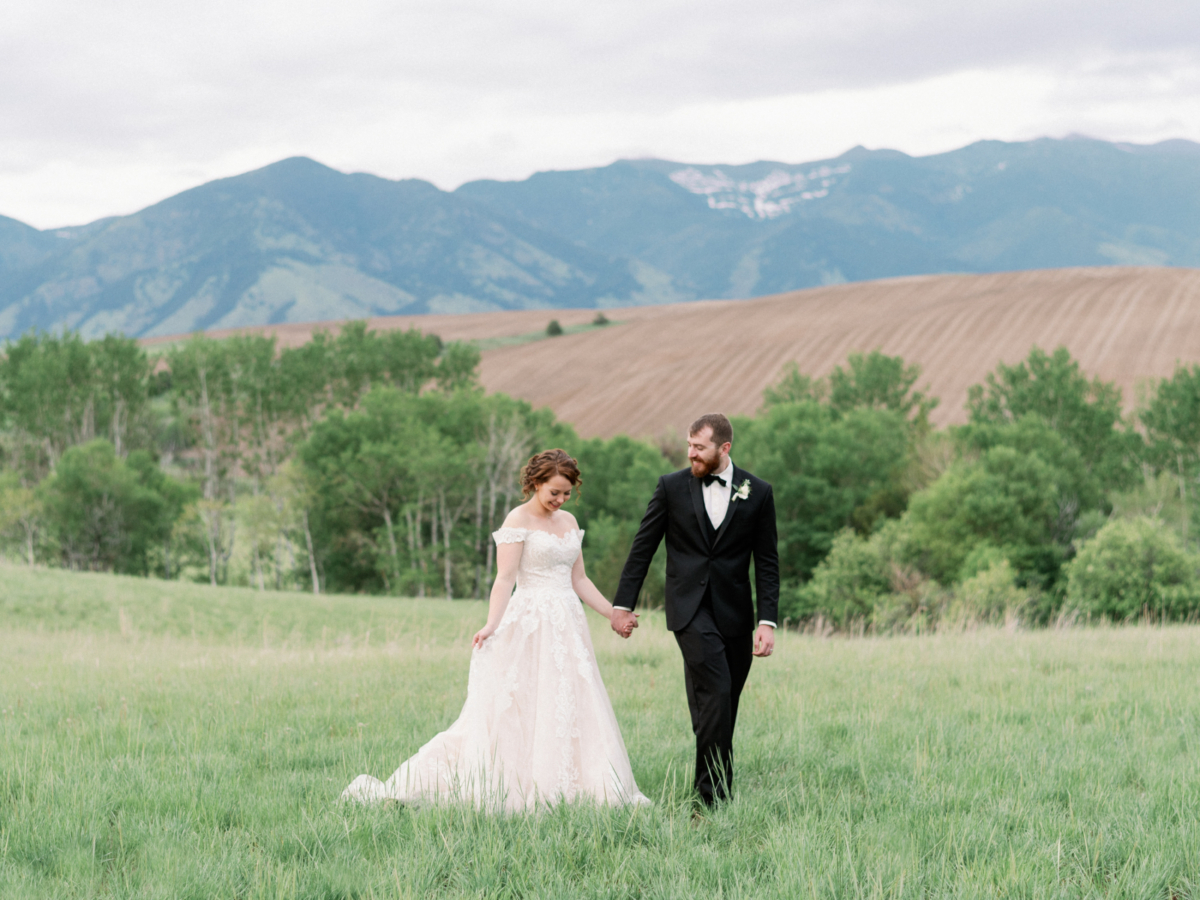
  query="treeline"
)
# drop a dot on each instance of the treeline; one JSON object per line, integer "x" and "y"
{"x": 374, "y": 462}
{"x": 1049, "y": 502}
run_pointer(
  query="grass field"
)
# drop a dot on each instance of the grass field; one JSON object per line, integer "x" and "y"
{"x": 168, "y": 740}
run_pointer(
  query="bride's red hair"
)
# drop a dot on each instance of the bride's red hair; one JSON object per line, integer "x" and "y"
{"x": 544, "y": 466}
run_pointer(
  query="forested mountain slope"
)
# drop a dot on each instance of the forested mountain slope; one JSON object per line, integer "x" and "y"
{"x": 298, "y": 242}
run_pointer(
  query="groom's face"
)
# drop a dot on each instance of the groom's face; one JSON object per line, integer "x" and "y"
{"x": 703, "y": 453}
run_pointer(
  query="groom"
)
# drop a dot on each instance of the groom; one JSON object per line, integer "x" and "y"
{"x": 714, "y": 516}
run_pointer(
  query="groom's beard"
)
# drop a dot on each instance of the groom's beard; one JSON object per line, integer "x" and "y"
{"x": 705, "y": 465}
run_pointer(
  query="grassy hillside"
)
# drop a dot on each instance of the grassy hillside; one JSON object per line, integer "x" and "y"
{"x": 138, "y": 760}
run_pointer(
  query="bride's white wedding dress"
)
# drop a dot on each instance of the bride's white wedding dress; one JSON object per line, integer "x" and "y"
{"x": 537, "y": 727}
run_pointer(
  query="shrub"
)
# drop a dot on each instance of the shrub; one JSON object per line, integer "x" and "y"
{"x": 1133, "y": 566}
{"x": 845, "y": 586}
{"x": 554, "y": 329}
{"x": 990, "y": 595}
{"x": 601, "y": 319}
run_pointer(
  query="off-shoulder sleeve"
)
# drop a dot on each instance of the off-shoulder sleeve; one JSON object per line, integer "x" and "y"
{"x": 510, "y": 535}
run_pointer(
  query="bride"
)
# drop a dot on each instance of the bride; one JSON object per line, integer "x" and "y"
{"x": 537, "y": 727}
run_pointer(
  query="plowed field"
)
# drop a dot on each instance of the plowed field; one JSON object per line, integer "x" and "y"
{"x": 656, "y": 368}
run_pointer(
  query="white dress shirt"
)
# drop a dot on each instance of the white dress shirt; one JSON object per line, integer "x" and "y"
{"x": 716, "y": 504}
{"x": 716, "y": 497}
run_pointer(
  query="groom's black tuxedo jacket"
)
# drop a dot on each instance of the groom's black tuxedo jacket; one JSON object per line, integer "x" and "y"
{"x": 703, "y": 559}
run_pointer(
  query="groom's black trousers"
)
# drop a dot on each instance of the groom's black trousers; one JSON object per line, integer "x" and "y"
{"x": 715, "y": 669}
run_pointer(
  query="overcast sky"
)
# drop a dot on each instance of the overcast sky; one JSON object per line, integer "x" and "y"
{"x": 108, "y": 107}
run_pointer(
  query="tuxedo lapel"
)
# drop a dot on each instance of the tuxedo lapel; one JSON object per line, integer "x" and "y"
{"x": 698, "y": 506}
{"x": 734, "y": 503}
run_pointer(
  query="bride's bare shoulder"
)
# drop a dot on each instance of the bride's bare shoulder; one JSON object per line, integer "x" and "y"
{"x": 569, "y": 517}
{"x": 517, "y": 518}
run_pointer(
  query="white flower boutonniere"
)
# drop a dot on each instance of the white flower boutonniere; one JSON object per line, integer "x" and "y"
{"x": 743, "y": 491}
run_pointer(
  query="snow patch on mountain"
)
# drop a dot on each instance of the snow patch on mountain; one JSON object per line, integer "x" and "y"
{"x": 767, "y": 198}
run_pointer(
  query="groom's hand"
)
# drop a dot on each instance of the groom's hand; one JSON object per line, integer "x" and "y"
{"x": 623, "y": 622}
{"x": 764, "y": 641}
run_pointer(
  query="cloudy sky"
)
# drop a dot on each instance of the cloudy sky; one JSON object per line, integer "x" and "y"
{"x": 108, "y": 107}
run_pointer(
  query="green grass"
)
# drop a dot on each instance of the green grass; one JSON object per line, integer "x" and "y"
{"x": 168, "y": 740}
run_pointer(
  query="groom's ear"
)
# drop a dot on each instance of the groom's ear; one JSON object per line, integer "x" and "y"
{"x": 725, "y": 448}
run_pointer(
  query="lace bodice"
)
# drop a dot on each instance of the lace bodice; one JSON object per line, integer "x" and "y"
{"x": 546, "y": 559}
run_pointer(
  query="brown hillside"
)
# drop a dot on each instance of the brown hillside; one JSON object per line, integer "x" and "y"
{"x": 663, "y": 365}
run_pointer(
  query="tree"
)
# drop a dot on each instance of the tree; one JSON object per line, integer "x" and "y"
{"x": 1077, "y": 488}
{"x": 619, "y": 477}
{"x": 364, "y": 466}
{"x": 876, "y": 381}
{"x": 56, "y": 392}
{"x": 1086, "y": 413}
{"x": 846, "y": 585}
{"x": 106, "y": 514}
{"x": 174, "y": 496}
{"x": 795, "y": 387}
{"x": 1006, "y": 500}
{"x": 867, "y": 381}
{"x": 20, "y": 513}
{"x": 202, "y": 393}
{"x": 828, "y": 471}
{"x": 1172, "y": 422}
{"x": 1131, "y": 567}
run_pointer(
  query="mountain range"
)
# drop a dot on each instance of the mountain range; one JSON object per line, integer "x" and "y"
{"x": 298, "y": 241}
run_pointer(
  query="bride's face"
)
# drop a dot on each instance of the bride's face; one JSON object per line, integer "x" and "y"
{"x": 554, "y": 493}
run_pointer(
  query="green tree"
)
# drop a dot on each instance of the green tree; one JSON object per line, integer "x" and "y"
{"x": 877, "y": 381}
{"x": 364, "y": 466}
{"x": 174, "y": 498}
{"x": 1006, "y": 499}
{"x": 619, "y": 475}
{"x": 829, "y": 471}
{"x": 845, "y": 450}
{"x": 1086, "y": 413}
{"x": 867, "y": 381}
{"x": 203, "y": 397}
{"x": 1131, "y": 567}
{"x": 58, "y": 391}
{"x": 846, "y": 585}
{"x": 105, "y": 514}
{"x": 1172, "y": 422}
{"x": 794, "y": 387}
{"x": 21, "y": 514}
{"x": 1077, "y": 489}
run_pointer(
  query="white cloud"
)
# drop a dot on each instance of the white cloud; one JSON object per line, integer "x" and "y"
{"x": 109, "y": 107}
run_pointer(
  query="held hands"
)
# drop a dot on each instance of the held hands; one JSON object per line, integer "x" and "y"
{"x": 764, "y": 640}
{"x": 623, "y": 622}
{"x": 482, "y": 635}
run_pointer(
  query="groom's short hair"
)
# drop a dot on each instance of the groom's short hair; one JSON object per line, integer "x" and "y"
{"x": 722, "y": 430}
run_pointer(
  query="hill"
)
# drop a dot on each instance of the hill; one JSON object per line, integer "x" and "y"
{"x": 298, "y": 241}
{"x": 655, "y": 368}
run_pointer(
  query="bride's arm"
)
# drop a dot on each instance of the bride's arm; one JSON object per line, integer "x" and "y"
{"x": 588, "y": 592}
{"x": 508, "y": 558}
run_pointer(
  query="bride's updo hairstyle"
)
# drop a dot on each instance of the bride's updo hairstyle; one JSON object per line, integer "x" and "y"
{"x": 544, "y": 466}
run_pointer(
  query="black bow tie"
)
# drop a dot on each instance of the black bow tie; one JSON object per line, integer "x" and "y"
{"x": 709, "y": 479}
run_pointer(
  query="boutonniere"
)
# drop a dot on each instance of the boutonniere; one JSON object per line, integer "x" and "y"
{"x": 743, "y": 491}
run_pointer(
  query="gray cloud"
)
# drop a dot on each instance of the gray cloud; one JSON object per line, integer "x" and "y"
{"x": 185, "y": 86}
